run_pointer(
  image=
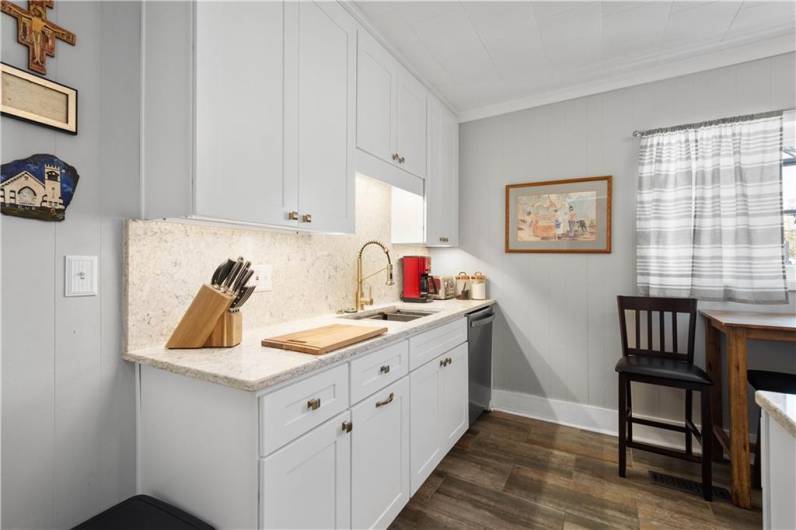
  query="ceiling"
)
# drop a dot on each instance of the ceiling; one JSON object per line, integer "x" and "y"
{"x": 487, "y": 58}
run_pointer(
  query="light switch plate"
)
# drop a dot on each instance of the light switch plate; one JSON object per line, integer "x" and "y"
{"x": 262, "y": 277}
{"x": 80, "y": 276}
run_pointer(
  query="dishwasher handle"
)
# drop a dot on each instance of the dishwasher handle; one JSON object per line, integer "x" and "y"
{"x": 482, "y": 321}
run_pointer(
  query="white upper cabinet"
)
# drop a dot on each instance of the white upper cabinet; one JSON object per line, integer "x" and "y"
{"x": 320, "y": 82}
{"x": 262, "y": 130}
{"x": 239, "y": 139}
{"x": 442, "y": 180}
{"x": 375, "y": 86}
{"x": 410, "y": 124}
{"x": 391, "y": 111}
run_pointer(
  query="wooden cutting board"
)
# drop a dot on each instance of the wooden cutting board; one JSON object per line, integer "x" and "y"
{"x": 322, "y": 340}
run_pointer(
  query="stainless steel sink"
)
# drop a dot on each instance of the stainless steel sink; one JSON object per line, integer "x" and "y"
{"x": 392, "y": 314}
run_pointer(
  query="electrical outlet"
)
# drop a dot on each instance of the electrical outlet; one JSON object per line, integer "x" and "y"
{"x": 262, "y": 277}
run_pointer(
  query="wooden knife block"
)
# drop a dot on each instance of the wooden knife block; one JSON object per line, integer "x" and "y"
{"x": 227, "y": 332}
{"x": 207, "y": 311}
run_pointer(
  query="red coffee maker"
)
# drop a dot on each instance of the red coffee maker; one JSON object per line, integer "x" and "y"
{"x": 416, "y": 284}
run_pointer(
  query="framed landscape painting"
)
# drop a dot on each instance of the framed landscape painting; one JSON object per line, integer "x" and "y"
{"x": 572, "y": 215}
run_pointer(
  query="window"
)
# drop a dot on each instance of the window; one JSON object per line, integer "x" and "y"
{"x": 789, "y": 203}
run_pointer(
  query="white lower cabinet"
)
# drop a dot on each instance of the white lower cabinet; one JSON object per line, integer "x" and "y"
{"x": 454, "y": 407}
{"x": 380, "y": 457}
{"x": 307, "y": 484}
{"x": 439, "y": 411}
{"x": 342, "y": 448}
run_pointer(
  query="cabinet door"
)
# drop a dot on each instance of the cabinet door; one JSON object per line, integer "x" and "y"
{"x": 307, "y": 484}
{"x": 380, "y": 457}
{"x": 425, "y": 452}
{"x": 410, "y": 124}
{"x": 320, "y": 82}
{"x": 239, "y": 114}
{"x": 375, "y": 85}
{"x": 442, "y": 180}
{"x": 453, "y": 400}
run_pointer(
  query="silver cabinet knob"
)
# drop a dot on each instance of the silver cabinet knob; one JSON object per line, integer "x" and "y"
{"x": 348, "y": 426}
{"x": 396, "y": 156}
{"x": 401, "y": 160}
{"x": 385, "y": 369}
{"x": 443, "y": 239}
{"x": 306, "y": 218}
{"x": 292, "y": 216}
{"x": 314, "y": 404}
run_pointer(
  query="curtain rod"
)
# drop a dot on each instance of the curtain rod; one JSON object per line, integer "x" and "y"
{"x": 743, "y": 117}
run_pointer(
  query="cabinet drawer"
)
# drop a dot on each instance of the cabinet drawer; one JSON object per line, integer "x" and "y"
{"x": 378, "y": 369}
{"x": 426, "y": 346}
{"x": 290, "y": 412}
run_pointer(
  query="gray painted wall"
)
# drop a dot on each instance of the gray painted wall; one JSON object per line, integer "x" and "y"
{"x": 68, "y": 422}
{"x": 558, "y": 333}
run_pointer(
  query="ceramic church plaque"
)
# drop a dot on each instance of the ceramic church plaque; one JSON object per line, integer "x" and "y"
{"x": 38, "y": 187}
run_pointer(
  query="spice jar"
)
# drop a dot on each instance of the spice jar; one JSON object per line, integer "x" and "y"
{"x": 478, "y": 286}
{"x": 462, "y": 286}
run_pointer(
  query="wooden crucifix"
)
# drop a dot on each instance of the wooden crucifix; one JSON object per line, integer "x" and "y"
{"x": 36, "y": 32}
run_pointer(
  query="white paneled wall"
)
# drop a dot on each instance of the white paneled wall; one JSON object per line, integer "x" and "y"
{"x": 558, "y": 333}
{"x": 68, "y": 422}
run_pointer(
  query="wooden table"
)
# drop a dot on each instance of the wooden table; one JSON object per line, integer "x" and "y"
{"x": 739, "y": 327}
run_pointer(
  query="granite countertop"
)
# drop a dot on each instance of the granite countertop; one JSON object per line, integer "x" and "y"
{"x": 781, "y": 407}
{"x": 252, "y": 367}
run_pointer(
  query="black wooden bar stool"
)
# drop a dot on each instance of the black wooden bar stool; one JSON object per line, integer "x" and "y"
{"x": 653, "y": 364}
{"x": 772, "y": 382}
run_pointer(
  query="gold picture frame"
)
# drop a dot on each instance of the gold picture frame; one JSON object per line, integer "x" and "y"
{"x": 34, "y": 99}
{"x": 566, "y": 216}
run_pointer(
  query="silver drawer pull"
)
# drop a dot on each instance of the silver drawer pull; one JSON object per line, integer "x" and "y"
{"x": 449, "y": 360}
{"x": 385, "y": 369}
{"x": 293, "y": 216}
{"x": 443, "y": 363}
{"x": 386, "y": 401}
{"x": 314, "y": 404}
{"x": 348, "y": 426}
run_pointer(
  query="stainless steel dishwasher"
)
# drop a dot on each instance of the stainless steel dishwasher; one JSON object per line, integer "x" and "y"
{"x": 479, "y": 359}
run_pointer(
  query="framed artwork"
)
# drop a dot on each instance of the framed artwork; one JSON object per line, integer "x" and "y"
{"x": 38, "y": 187}
{"x": 572, "y": 215}
{"x": 38, "y": 100}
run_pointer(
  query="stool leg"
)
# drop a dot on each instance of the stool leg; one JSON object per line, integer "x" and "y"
{"x": 629, "y": 408}
{"x": 622, "y": 423}
{"x": 707, "y": 446}
{"x": 688, "y": 419}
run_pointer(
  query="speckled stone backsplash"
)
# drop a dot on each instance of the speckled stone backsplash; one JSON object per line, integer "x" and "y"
{"x": 313, "y": 274}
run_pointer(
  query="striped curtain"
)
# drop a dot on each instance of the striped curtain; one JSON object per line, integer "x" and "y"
{"x": 709, "y": 211}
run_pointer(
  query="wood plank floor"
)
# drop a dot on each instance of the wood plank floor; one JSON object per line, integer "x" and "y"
{"x": 513, "y": 472}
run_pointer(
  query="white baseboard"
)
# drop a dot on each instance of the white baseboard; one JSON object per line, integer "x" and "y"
{"x": 586, "y": 417}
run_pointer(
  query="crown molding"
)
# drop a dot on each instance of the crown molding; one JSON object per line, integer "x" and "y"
{"x": 655, "y": 68}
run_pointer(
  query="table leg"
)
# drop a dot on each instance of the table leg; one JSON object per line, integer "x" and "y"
{"x": 713, "y": 366}
{"x": 739, "y": 418}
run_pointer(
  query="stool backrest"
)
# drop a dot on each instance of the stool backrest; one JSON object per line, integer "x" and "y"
{"x": 636, "y": 305}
